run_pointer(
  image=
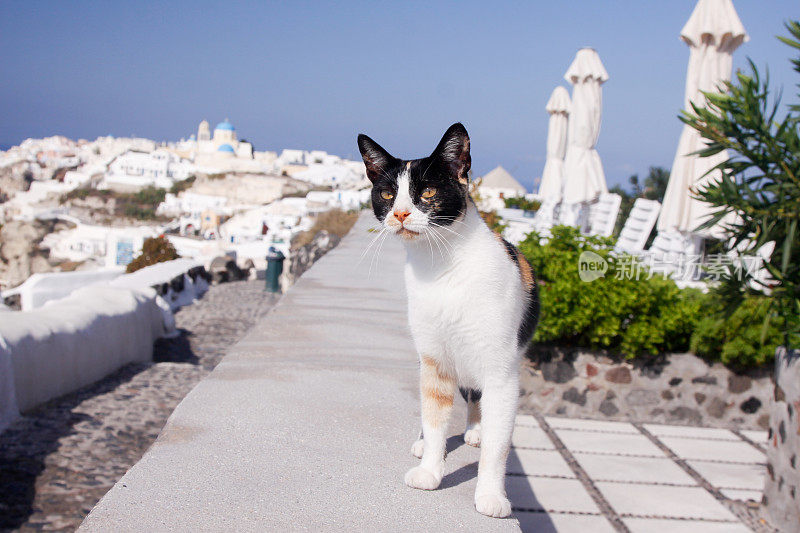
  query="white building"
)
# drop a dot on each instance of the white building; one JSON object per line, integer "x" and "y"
{"x": 497, "y": 185}
{"x": 287, "y": 217}
{"x": 135, "y": 170}
{"x": 336, "y": 175}
{"x": 108, "y": 246}
{"x": 346, "y": 200}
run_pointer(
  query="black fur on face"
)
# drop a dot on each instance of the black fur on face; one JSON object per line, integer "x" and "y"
{"x": 445, "y": 172}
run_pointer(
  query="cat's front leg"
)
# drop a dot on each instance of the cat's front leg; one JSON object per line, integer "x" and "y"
{"x": 499, "y": 408}
{"x": 436, "y": 394}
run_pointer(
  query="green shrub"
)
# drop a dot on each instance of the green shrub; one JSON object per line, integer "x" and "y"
{"x": 335, "y": 221}
{"x": 182, "y": 185}
{"x": 620, "y": 311}
{"x": 154, "y": 250}
{"x": 735, "y": 339}
{"x": 520, "y": 202}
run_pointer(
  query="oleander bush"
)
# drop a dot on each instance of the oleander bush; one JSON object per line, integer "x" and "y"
{"x": 755, "y": 192}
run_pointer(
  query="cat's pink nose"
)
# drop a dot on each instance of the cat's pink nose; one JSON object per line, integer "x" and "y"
{"x": 401, "y": 215}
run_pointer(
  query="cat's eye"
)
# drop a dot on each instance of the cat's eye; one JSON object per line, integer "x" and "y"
{"x": 428, "y": 193}
{"x": 386, "y": 195}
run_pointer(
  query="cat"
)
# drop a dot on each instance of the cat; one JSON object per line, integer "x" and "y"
{"x": 472, "y": 307}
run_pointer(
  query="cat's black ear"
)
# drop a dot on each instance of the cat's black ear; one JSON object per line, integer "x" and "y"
{"x": 453, "y": 151}
{"x": 376, "y": 159}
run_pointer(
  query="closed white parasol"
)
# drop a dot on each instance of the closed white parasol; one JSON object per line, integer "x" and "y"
{"x": 553, "y": 174}
{"x": 713, "y": 32}
{"x": 584, "y": 179}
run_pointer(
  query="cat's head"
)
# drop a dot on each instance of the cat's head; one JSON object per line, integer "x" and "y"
{"x": 412, "y": 197}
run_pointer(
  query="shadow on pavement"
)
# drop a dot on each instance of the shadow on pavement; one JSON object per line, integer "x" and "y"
{"x": 175, "y": 350}
{"x": 25, "y": 445}
{"x": 523, "y": 497}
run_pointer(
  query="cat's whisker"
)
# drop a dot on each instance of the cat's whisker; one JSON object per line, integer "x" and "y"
{"x": 451, "y": 247}
{"x": 439, "y": 239}
{"x": 372, "y": 259}
{"x": 445, "y": 228}
{"x": 373, "y": 241}
{"x": 436, "y": 241}
{"x": 427, "y": 236}
{"x": 376, "y": 242}
{"x": 377, "y": 253}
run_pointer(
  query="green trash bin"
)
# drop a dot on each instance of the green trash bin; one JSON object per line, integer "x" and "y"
{"x": 275, "y": 260}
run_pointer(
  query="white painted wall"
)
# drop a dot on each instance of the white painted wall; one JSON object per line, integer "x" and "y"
{"x": 75, "y": 341}
{"x": 43, "y": 287}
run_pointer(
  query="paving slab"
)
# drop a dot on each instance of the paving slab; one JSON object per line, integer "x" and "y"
{"x": 306, "y": 424}
{"x": 652, "y": 525}
{"x": 731, "y": 475}
{"x": 549, "y": 494}
{"x": 663, "y": 430}
{"x": 714, "y": 450}
{"x": 608, "y": 443}
{"x": 563, "y": 523}
{"x": 633, "y": 469}
{"x": 531, "y": 437}
{"x": 538, "y": 463}
{"x": 591, "y": 425}
{"x": 664, "y": 501}
{"x": 527, "y": 420}
{"x": 759, "y": 437}
{"x": 743, "y": 494}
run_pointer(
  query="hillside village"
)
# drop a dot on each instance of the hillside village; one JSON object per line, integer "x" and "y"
{"x": 87, "y": 205}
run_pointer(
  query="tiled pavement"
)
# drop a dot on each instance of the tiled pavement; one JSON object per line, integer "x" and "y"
{"x": 572, "y": 475}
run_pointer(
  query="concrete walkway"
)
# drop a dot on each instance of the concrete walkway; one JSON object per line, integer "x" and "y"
{"x": 307, "y": 424}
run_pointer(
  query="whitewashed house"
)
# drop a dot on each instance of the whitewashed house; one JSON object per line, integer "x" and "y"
{"x": 135, "y": 170}
{"x": 497, "y": 185}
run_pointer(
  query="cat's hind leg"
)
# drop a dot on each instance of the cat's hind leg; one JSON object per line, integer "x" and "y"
{"x": 499, "y": 406}
{"x": 437, "y": 388}
{"x": 472, "y": 433}
{"x": 418, "y": 446}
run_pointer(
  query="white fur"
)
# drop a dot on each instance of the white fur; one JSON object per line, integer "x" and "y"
{"x": 465, "y": 304}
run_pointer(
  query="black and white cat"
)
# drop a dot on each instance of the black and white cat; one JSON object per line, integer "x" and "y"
{"x": 472, "y": 307}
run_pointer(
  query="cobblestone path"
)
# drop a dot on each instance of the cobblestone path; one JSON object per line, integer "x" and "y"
{"x": 60, "y": 459}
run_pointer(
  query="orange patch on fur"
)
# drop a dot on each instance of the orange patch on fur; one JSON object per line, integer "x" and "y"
{"x": 439, "y": 398}
{"x": 437, "y": 390}
{"x": 525, "y": 270}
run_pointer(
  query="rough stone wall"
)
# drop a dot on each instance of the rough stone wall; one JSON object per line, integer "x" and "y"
{"x": 20, "y": 255}
{"x": 782, "y": 483}
{"x": 674, "y": 389}
{"x": 305, "y": 256}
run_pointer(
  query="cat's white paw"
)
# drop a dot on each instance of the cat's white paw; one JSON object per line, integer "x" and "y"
{"x": 417, "y": 448}
{"x": 494, "y": 505}
{"x": 473, "y": 437}
{"x": 421, "y": 478}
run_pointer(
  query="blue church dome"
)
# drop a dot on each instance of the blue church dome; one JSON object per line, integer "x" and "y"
{"x": 225, "y": 148}
{"x": 225, "y": 125}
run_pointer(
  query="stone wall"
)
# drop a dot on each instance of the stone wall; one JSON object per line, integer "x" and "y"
{"x": 20, "y": 253}
{"x": 673, "y": 389}
{"x": 782, "y": 485}
{"x": 303, "y": 257}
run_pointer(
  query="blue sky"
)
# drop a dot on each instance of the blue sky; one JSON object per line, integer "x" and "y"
{"x": 307, "y": 75}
